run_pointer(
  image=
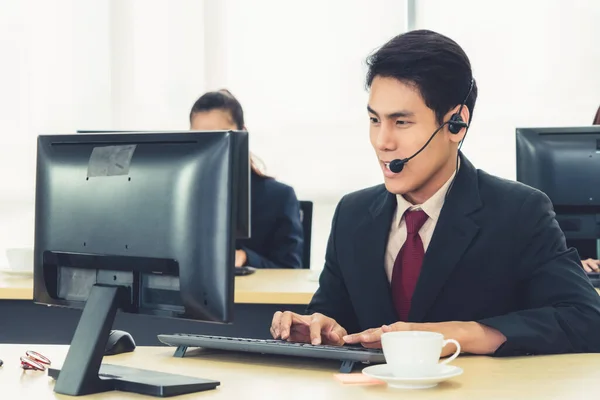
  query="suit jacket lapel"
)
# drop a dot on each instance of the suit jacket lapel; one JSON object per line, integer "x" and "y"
{"x": 370, "y": 243}
{"x": 453, "y": 234}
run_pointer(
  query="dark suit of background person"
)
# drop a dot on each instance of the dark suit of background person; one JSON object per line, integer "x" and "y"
{"x": 497, "y": 256}
{"x": 276, "y": 240}
{"x": 276, "y": 229}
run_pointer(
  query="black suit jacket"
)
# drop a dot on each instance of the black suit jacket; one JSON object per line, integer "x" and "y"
{"x": 276, "y": 230}
{"x": 497, "y": 256}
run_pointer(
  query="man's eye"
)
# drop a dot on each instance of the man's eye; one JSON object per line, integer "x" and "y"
{"x": 374, "y": 120}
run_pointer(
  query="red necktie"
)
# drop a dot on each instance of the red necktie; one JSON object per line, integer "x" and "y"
{"x": 407, "y": 266}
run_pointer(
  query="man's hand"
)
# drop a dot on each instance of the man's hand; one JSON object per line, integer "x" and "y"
{"x": 473, "y": 337}
{"x": 315, "y": 329}
{"x": 591, "y": 265}
{"x": 240, "y": 258}
{"x": 371, "y": 338}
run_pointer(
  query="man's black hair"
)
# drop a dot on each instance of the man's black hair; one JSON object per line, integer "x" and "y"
{"x": 435, "y": 64}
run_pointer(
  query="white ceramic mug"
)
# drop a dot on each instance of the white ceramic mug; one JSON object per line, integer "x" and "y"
{"x": 415, "y": 353}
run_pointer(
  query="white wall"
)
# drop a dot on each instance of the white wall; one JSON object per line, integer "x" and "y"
{"x": 101, "y": 64}
{"x": 299, "y": 69}
{"x": 157, "y": 62}
{"x": 537, "y": 63}
{"x": 53, "y": 76}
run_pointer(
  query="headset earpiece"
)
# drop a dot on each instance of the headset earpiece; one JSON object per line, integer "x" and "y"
{"x": 456, "y": 123}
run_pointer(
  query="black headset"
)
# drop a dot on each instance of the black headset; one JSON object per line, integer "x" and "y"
{"x": 456, "y": 123}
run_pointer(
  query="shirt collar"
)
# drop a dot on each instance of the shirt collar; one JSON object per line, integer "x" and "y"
{"x": 432, "y": 206}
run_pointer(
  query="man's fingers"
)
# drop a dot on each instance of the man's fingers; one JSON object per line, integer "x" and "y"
{"x": 300, "y": 329}
{"x": 325, "y": 329}
{"x": 591, "y": 265}
{"x": 371, "y": 337}
{"x": 275, "y": 324}
{"x": 315, "y": 330}
{"x": 285, "y": 324}
{"x": 299, "y": 337}
{"x": 358, "y": 337}
{"x": 335, "y": 336}
{"x": 332, "y": 332}
{"x": 352, "y": 339}
{"x": 585, "y": 265}
{"x": 340, "y": 332}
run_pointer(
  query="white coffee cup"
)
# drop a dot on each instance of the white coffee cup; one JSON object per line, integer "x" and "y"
{"x": 415, "y": 353}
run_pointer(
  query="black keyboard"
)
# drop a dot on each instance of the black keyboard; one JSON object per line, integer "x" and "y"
{"x": 348, "y": 355}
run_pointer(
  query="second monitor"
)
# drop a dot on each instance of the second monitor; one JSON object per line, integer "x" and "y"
{"x": 564, "y": 163}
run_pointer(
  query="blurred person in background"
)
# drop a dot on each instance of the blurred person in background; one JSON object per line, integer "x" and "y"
{"x": 276, "y": 229}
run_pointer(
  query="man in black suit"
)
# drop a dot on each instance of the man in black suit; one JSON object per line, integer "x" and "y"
{"x": 443, "y": 246}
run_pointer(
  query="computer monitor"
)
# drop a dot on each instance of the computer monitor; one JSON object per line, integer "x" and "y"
{"x": 564, "y": 163}
{"x": 145, "y": 223}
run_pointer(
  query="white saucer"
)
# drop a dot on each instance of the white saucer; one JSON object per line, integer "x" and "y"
{"x": 382, "y": 372}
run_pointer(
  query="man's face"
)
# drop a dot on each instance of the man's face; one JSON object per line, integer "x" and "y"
{"x": 401, "y": 123}
{"x": 213, "y": 120}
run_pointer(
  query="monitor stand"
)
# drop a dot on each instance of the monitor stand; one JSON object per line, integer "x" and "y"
{"x": 83, "y": 372}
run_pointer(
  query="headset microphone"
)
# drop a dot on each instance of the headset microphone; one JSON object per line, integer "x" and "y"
{"x": 397, "y": 165}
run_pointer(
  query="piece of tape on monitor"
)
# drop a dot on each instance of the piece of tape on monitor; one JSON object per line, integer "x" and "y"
{"x": 111, "y": 160}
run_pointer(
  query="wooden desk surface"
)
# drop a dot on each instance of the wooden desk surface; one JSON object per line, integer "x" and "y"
{"x": 13, "y": 287}
{"x": 262, "y": 287}
{"x": 260, "y": 377}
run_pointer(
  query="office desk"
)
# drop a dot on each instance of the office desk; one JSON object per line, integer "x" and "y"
{"x": 246, "y": 377}
{"x": 15, "y": 287}
{"x": 257, "y": 297}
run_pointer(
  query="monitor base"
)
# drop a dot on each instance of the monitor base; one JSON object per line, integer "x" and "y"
{"x": 83, "y": 372}
{"x": 150, "y": 383}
